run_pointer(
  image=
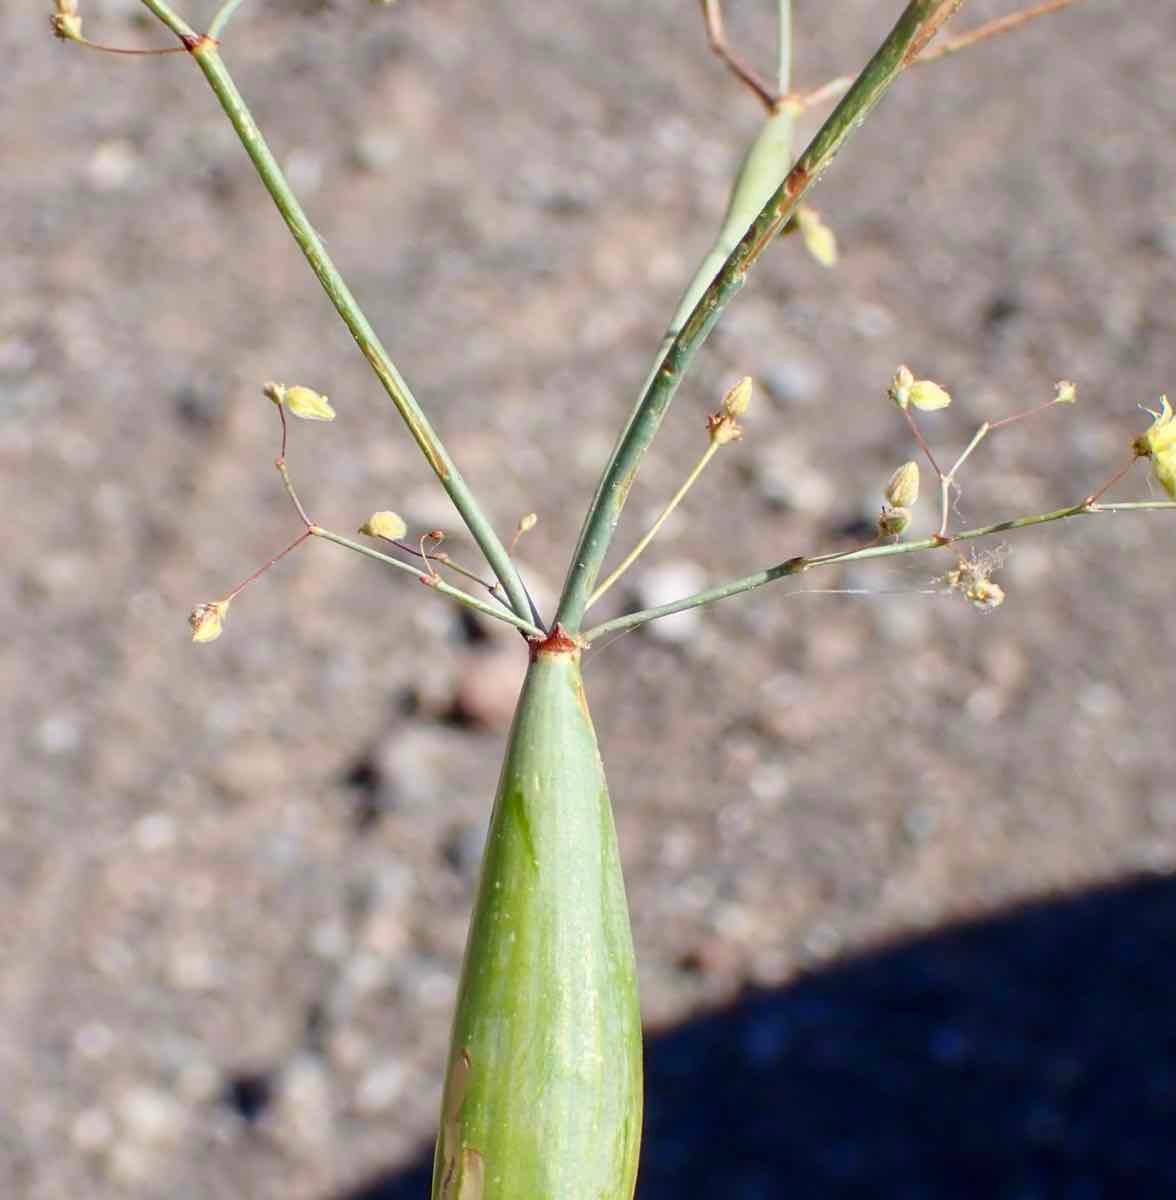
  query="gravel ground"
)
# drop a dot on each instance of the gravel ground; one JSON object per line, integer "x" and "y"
{"x": 901, "y": 873}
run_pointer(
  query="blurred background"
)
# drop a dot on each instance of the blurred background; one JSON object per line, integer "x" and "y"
{"x": 900, "y": 873}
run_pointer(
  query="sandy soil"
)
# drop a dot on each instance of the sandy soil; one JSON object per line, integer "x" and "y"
{"x": 234, "y": 880}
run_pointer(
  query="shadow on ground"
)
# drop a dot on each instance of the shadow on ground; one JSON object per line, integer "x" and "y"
{"x": 1030, "y": 1055}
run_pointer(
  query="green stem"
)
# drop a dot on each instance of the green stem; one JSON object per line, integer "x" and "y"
{"x": 784, "y": 47}
{"x": 223, "y": 17}
{"x": 205, "y": 53}
{"x": 920, "y": 17}
{"x": 946, "y": 481}
{"x": 796, "y": 566}
{"x": 666, "y": 512}
{"x": 434, "y": 581}
{"x": 172, "y": 20}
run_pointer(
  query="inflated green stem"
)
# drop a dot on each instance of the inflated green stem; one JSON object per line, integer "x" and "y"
{"x": 543, "y": 1091}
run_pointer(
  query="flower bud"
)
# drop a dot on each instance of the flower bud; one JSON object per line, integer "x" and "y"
{"x": 384, "y": 524}
{"x": 893, "y": 522}
{"x": 819, "y": 240}
{"x": 527, "y": 523}
{"x": 903, "y": 489}
{"x": 928, "y": 395}
{"x": 208, "y": 620}
{"x": 900, "y": 387}
{"x": 300, "y": 401}
{"x": 1159, "y": 444}
{"x": 1065, "y": 392}
{"x": 308, "y": 405}
{"x": 737, "y": 400}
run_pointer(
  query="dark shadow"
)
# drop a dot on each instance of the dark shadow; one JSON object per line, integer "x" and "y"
{"x": 1032, "y": 1055}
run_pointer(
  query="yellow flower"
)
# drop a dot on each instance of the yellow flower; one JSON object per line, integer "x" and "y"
{"x": 1159, "y": 444}
{"x": 208, "y": 620}
{"x": 300, "y": 401}
{"x": 906, "y": 390}
{"x": 385, "y": 524}
{"x": 928, "y": 396}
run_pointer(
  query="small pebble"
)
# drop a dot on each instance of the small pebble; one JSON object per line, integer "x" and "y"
{"x": 782, "y": 477}
{"x": 664, "y": 584}
{"x": 93, "y": 1041}
{"x": 381, "y": 1087}
{"x": 112, "y": 166}
{"x": 93, "y": 1131}
{"x": 151, "y": 1115}
{"x": 155, "y": 831}
{"x": 377, "y": 150}
{"x": 488, "y": 685}
{"x": 794, "y": 381}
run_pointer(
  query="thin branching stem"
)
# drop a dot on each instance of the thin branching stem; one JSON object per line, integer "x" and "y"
{"x": 953, "y": 45}
{"x": 919, "y": 17}
{"x": 1132, "y": 506}
{"x": 223, "y": 16}
{"x": 663, "y": 517}
{"x": 277, "y": 558}
{"x": 991, "y": 29}
{"x": 797, "y": 566}
{"x": 434, "y": 581}
{"x": 783, "y": 47}
{"x": 716, "y": 37}
{"x": 204, "y": 51}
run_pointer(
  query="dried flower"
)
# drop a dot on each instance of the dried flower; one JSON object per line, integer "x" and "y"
{"x": 903, "y": 489}
{"x": 893, "y": 522}
{"x": 65, "y": 22}
{"x": 985, "y": 595}
{"x": 208, "y": 620}
{"x": 971, "y": 578}
{"x": 384, "y": 524}
{"x": 723, "y": 429}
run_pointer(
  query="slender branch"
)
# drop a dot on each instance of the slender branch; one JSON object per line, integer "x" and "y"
{"x": 223, "y": 17}
{"x": 783, "y": 47}
{"x": 269, "y": 563}
{"x": 663, "y": 517}
{"x": 499, "y": 610}
{"x": 949, "y": 46}
{"x": 128, "y": 51}
{"x": 204, "y": 51}
{"x": 646, "y": 418}
{"x": 716, "y": 38}
{"x": 797, "y": 566}
{"x": 173, "y": 21}
{"x": 1132, "y": 506}
{"x": 434, "y": 581}
{"x": 990, "y": 29}
{"x": 946, "y": 480}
